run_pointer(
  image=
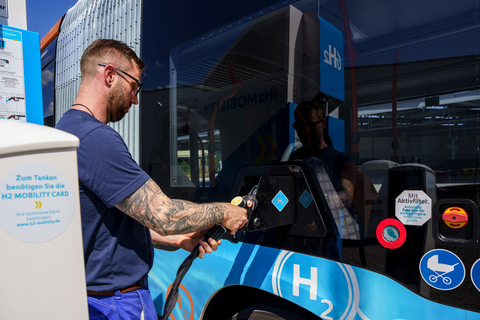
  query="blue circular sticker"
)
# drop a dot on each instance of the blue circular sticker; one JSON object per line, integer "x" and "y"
{"x": 442, "y": 269}
{"x": 475, "y": 274}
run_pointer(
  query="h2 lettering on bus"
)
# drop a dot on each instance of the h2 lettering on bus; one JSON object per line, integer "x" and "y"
{"x": 313, "y": 284}
{"x": 332, "y": 57}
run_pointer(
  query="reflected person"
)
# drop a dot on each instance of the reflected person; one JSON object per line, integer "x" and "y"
{"x": 309, "y": 124}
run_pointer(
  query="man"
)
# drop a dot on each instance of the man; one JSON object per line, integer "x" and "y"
{"x": 342, "y": 170}
{"x": 122, "y": 208}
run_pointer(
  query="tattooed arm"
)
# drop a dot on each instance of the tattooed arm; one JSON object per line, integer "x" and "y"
{"x": 346, "y": 195}
{"x": 152, "y": 208}
{"x": 348, "y": 176}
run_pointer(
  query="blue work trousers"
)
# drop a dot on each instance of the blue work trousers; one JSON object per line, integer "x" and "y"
{"x": 137, "y": 304}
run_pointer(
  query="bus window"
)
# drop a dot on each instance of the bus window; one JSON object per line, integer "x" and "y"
{"x": 48, "y": 54}
{"x": 48, "y": 89}
{"x": 48, "y": 94}
{"x": 221, "y": 83}
{"x": 193, "y": 159}
{"x": 440, "y": 134}
{"x": 224, "y": 104}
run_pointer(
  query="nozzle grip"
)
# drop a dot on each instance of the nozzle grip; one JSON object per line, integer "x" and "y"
{"x": 217, "y": 232}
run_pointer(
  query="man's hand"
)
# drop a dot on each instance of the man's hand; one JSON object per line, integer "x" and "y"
{"x": 187, "y": 242}
{"x": 346, "y": 195}
{"x": 235, "y": 217}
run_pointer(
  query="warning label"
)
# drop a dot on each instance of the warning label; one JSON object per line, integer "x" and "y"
{"x": 413, "y": 207}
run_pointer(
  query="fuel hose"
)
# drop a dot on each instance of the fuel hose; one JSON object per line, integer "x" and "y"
{"x": 217, "y": 232}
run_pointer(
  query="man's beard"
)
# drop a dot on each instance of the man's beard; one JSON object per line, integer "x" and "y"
{"x": 118, "y": 104}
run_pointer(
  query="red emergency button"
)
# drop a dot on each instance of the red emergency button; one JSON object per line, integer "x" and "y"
{"x": 391, "y": 233}
{"x": 455, "y": 217}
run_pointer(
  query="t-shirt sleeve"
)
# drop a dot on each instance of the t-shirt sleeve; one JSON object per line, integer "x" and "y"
{"x": 349, "y": 169}
{"x": 109, "y": 170}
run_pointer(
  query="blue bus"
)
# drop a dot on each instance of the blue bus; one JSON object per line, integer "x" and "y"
{"x": 215, "y": 119}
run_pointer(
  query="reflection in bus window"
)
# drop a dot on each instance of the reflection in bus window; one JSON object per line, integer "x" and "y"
{"x": 193, "y": 158}
{"x": 441, "y": 133}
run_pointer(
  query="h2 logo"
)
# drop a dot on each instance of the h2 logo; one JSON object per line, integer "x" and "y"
{"x": 333, "y": 57}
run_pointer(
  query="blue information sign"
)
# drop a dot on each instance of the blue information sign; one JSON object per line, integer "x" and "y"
{"x": 21, "y": 84}
{"x": 442, "y": 269}
{"x": 332, "y": 78}
{"x": 280, "y": 201}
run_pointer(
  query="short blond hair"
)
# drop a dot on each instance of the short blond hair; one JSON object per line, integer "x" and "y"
{"x": 108, "y": 51}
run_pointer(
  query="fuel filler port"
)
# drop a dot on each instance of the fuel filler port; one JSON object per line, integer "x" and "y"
{"x": 455, "y": 222}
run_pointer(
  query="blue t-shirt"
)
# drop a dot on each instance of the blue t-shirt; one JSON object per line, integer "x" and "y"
{"x": 118, "y": 250}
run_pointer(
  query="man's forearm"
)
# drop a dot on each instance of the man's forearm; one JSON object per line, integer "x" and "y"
{"x": 151, "y": 207}
{"x": 345, "y": 198}
{"x": 192, "y": 217}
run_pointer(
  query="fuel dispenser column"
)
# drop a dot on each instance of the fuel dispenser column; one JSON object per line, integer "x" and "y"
{"x": 42, "y": 264}
{"x": 411, "y": 194}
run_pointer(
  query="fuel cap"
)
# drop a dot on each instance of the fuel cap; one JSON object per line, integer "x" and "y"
{"x": 455, "y": 222}
{"x": 455, "y": 217}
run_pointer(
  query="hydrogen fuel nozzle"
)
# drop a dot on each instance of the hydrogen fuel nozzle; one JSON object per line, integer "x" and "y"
{"x": 218, "y": 232}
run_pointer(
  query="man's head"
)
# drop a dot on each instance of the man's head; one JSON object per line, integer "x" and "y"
{"x": 309, "y": 123}
{"x": 114, "y": 64}
{"x": 108, "y": 51}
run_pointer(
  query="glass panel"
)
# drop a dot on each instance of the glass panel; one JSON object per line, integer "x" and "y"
{"x": 48, "y": 75}
{"x": 441, "y": 132}
{"x": 219, "y": 89}
{"x": 193, "y": 157}
{"x": 49, "y": 53}
{"x": 222, "y": 82}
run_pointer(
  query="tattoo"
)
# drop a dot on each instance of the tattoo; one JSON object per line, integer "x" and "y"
{"x": 152, "y": 208}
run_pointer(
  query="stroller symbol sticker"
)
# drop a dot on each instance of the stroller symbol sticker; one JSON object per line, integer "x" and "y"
{"x": 442, "y": 269}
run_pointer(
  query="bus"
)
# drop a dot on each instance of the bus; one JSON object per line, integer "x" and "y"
{"x": 214, "y": 121}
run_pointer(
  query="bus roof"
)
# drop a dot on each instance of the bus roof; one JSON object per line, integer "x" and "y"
{"x": 48, "y": 38}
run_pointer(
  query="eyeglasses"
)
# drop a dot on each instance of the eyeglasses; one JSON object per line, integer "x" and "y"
{"x": 140, "y": 84}
{"x": 310, "y": 125}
